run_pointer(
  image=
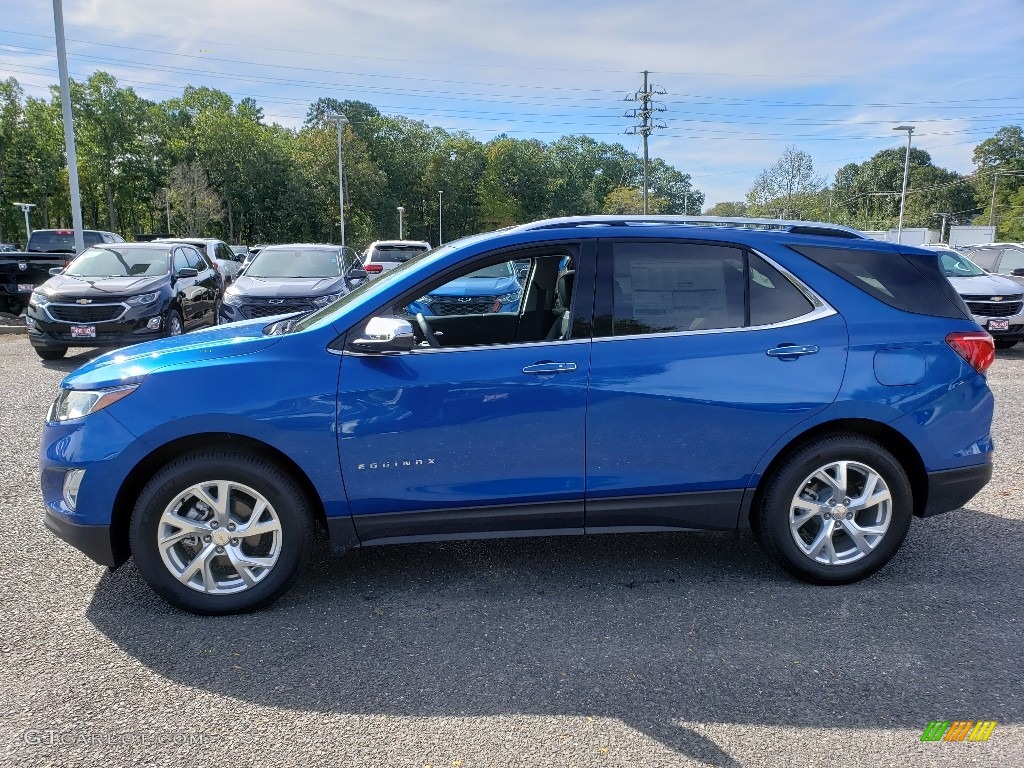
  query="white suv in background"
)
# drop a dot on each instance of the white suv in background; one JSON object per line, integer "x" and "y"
{"x": 384, "y": 255}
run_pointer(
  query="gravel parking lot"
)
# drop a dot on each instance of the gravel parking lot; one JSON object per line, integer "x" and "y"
{"x": 660, "y": 650}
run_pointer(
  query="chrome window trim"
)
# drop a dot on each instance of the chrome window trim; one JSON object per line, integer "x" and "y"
{"x": 820, "y": 309}
{"x": 46, "y": 309}
{"x": 437, "y": 350}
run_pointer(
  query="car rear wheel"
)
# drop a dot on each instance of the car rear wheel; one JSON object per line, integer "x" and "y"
{"x": 51, "y": 353}
{"x": 1005, "y": 344}
{"x": 837, "y": 510}
{"x": 217, "y": 532}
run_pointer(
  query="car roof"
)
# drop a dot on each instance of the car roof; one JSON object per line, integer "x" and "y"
{"x": 791, "y": 226}
{"x": 399, "y": 242}
{"x": 324, "y": 246}
{"x": 155, "y": 244}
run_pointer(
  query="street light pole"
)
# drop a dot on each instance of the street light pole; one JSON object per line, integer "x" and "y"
{"x": 69, "y": 128}
{"x": 440, "y": 239}
{"x": 942, "y": 227}
{"x": 401, "y": 210}
{"x": 25, "y": 208}
{"x": 167, "y": 200}
{"x": 906, "y": 174}
{"x": 341, "y": 121}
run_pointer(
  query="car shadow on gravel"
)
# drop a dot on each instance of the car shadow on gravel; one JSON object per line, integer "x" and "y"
{"x": 660, "y": 631}
{"x": 74, "y": 360}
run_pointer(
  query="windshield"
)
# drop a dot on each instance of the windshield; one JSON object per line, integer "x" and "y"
{"x": 122, "y": 262}
{"x": 504, "y": 269}
{"x": 399, "y": 253}
{"x": 59, "y": 241}
{"x": 955, "y": 265}
{"x": 295, "y": 262}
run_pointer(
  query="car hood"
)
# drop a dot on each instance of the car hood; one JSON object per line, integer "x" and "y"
{"x": 61, "y": 286}
{"x": 132, "y": 364}
{"x": 979, "y": 285}
{"x": 478, "y": 286}
{"x": 288, "y": 287}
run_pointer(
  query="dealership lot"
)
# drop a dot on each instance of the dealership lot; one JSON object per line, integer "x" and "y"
{"x": 635, "y": 650}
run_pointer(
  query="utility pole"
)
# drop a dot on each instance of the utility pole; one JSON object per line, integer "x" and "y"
{"x": 69, "y": 128}
{"x": 906, "y": 173}
{"x": 440, "y": 239}
{"x": 942, "y": 227}
{"x": 644, "y": 113}
{"x": 341, "y": 121}
{"x": 992, "y": 207}
{"x": 167, "y": 200}
{"x": 401, "y": 210}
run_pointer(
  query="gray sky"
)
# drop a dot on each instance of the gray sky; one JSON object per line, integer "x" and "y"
{"x": 743, "y": 79}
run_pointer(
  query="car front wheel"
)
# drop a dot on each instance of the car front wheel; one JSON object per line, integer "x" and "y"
{"x": 837, "y": 510}
{"x": 218, "y": 532}
{"x": 51, "y": 353}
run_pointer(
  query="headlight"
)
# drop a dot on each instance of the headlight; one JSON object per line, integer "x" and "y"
{"x": 509, "y": 298}
{"x": 38, "y": 299}
{"x": 146, "y": 298}
{"x": 233, "y": 298}
{"x": 78, "y": 403}
{"x": 323, "y": 301}
{"x": 428, "y": 300}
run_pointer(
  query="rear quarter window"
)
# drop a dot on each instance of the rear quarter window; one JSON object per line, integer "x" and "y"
{"x": 909, "y": 282}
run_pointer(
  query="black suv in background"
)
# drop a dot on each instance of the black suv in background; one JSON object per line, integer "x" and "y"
{"x": 121, "y": 294}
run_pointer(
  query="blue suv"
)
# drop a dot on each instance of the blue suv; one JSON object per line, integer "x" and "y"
{"x": 657, "y": 374}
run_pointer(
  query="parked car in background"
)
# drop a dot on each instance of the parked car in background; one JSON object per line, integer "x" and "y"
{"x": 7, "y": 247}
{"x": 217, "y": 252}
{"x": 22, "y": 271}
{"x": 241, "y": 252}
{"x": 1005, "y": 259}
{"x": 284, "y": 279}
{"x": 996, "y": 302}
{"x": 120, "y": 294}
{"x": 384, "y": 255}
{"x": 820, "y": 387}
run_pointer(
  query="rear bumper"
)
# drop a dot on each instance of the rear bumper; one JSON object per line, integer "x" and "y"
{"x": 93, "y": 540}
{"x": 952, "y": 488}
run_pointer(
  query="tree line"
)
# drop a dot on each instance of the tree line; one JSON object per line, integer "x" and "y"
{"x": 867, "y": 195}
{"x": 216, "y": 167}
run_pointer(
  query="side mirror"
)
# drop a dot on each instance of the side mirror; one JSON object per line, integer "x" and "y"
{"x": 386, "y": 334}
{"x": 55, "y": 270}
{"x": 1019, "y": 272}
{"x": 188, "y": 272}
{"x": 356, "y": 273}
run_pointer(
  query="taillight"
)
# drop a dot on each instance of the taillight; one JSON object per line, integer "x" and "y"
{"x": 976, "y": 348}
{"x": 373, "y": 269}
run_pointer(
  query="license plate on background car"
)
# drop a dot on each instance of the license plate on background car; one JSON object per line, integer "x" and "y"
{"x": 999, "y": 324}
{"x": 22, "y": 287}
{"x": 83, "y": 331}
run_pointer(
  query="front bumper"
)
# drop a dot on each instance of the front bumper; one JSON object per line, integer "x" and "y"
{"x": 93, "y": 540}
{"x": 133, "y": 328}
{"x": 952, "y": 488}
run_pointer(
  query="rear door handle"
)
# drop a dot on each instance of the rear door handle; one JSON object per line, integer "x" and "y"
{"x": 540, "y": 369}
{"x": 792, "y": 350}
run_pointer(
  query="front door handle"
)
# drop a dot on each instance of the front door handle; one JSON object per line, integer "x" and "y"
{"x": 539, "y": 369}
{"x": 792, "y": 350}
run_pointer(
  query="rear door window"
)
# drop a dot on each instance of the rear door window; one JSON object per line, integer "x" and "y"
{"x": 900, "y": 280}
{"x": 195, "y": 259}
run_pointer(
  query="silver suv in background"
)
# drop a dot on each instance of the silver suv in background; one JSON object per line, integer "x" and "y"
{"x": 384, "y": 255}
{"x": 996, "y": 302}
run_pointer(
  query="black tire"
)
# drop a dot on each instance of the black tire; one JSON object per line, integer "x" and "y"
{"x": 788, "y": 480}
{"x": 1005, "y": 344}
{"x": 174, "y": 316}
{"x": 287, "y": 499}
{"x": 51, "y": 353}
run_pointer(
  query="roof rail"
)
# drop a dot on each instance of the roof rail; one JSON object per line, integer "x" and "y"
{"x": 769, "y": 225}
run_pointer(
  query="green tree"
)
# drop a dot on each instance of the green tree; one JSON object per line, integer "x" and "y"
{"x": 623, "y": 201}
{"x": 999, "y": 165}
{"x": 738, "y": 208}
{"x": 787, "y": 189}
